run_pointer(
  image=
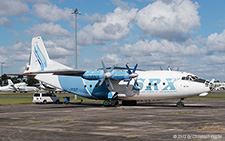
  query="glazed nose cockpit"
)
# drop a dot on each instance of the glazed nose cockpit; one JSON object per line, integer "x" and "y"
{"x": 200, "y": 80}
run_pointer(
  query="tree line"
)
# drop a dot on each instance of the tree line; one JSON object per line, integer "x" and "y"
{"x": 17, "y": 79}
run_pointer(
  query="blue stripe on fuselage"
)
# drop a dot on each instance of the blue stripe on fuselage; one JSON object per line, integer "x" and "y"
{"x": 76, "y": 85}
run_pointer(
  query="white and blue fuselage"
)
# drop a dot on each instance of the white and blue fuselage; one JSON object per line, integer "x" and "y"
{"x": 152, "y": 85}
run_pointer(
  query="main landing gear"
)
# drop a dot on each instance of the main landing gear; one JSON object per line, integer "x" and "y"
{"x": 111, "y": 101}
{"x": 180, "y": 104}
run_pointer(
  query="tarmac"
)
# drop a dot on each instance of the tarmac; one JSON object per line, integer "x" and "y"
{"x": 160, "y": 120}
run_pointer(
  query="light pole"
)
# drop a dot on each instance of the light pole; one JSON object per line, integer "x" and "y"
{"x": 2, "y": 70}
{"x": 75, "y": 12}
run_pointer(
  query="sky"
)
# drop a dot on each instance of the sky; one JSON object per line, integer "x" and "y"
{"x": 184, "y": 34}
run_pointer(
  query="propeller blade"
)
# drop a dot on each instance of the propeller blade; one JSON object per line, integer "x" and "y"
{"x": 135, "y": 68}
{"x": 128, "y": 69}
{"x": 111, "y": 85}
{"x": 103, "y": 65}
{"x": 169, "y": 68}
{"x": 102, "y": 81}
{"x": 128, "y": 83}
{"x": 112, "y": 68}
{"x": 135, "y": 82}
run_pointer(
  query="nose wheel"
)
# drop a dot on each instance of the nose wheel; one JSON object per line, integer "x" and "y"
{"x": 180, "y": 104}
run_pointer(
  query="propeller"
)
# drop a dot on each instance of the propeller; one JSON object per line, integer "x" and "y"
{"x": 169, "y": 68}
{"x": 132, "y": 75}
{"x": 106, "y": 75}
{"x": 212, "y": 84}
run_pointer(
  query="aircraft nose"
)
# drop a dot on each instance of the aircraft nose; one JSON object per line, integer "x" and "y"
{"x": 210, "y": 84}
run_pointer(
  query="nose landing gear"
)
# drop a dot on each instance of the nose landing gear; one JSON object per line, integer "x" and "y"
{"x": 180, "y": 104}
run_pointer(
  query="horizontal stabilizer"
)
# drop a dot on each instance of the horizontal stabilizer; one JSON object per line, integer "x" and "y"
{"x": 60, "y": 72}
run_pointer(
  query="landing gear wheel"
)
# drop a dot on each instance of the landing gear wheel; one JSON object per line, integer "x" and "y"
{"x": 106, "y": 103}
{"x": 180, "y": 104}
{"x": 57, "y": 102}
{"x": 112, "y": 103}
{"x": 44, "y": 102}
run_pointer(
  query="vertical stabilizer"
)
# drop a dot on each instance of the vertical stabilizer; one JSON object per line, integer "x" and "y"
{"x": 10, "y": 83}
{"x": 39, "y": 59}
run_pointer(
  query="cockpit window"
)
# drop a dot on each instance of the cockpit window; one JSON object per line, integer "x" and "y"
{"x": 193, "y": 78}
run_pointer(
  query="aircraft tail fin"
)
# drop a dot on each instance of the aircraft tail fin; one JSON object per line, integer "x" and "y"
{"x": 10, "y": 83}
{"x": 39, "y": 59}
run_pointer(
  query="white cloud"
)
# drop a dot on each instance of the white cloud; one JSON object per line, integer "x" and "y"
{"x": 120, "y": 4}
{"x": 19, "y": 51}
{"x": 63, "y": 60}
{"x": 146, "y": 48}
{"x": 5, "y": 22}
{"x": 115, "y": 26}
{"x": 214, "y": 60}
{"x": 111, "y": 59}
{"x": 88, "y": 61}
{"x": 216, "y": 42}
{"x": 172, "y": 20}
{"x": 55, "y": 48}
{"x": 50, "y": 13}
{"x": 94, "y": 18}
{"x": 12, "y": 7}
{"x": 48, "y": 29}
{"x": 3, "y": 50}
{"x": 36, "y": 1}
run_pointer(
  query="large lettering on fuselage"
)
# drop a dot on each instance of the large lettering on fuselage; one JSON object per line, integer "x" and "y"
{"x": 156, "y": 84}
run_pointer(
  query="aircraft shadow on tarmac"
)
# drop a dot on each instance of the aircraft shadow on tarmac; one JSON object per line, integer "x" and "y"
{"x": 158, "y": 104}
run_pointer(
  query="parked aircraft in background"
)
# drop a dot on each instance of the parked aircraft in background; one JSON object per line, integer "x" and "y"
{"x": 25, "y": 89}
{"x": 21, "y": 87}
{"x": 112, "y": 84}
{"x": 8, "y": 88}
{"x": 219, "y": 86}
{"x": 17, "y": 85}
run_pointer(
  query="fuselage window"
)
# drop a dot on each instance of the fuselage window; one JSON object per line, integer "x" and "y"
{"x": 155, "y": 84}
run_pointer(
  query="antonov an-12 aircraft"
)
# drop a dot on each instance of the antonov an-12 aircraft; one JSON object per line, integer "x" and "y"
{"x": 111, "y": 85}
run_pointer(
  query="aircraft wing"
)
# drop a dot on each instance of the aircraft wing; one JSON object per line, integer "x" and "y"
{"x": 56, "y": 72}
{"x": 70, "y": 72}
{"x": 13, "y": 87}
